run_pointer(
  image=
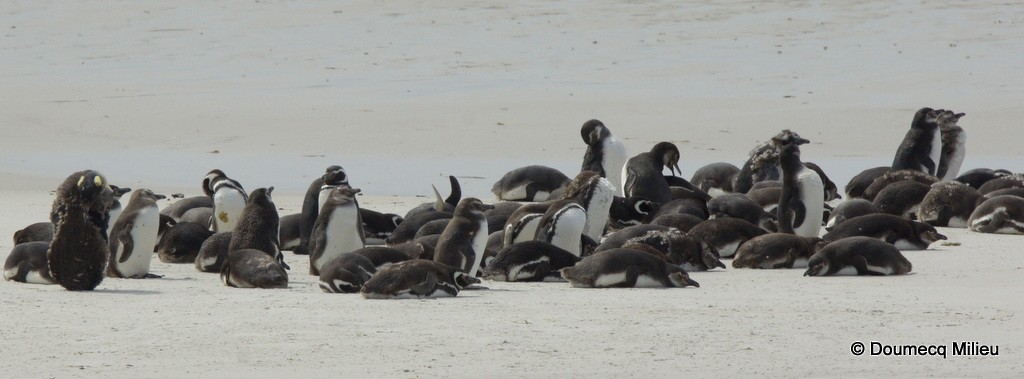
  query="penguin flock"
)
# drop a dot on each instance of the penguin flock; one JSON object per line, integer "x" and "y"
{"x": 621, "y": 221}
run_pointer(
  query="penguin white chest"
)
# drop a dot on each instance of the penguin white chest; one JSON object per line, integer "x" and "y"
{"x": 341, "y": 234}
{"x": 479, "y": 245}
{"x": 613, "y": 159}
{"x": 227, "y": 208}
{"x": 812, "y": 195}
{"x": 144, "y": 236}
{"x": 325, "y": 193}
{"x": 935, "y": 153}
{"x": 597, "y": 209}
{"x": 568, "y": 229}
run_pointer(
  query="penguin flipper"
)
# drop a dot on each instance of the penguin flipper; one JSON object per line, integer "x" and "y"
{"x": 426, "y": 287}
{"x": 125, "y": 236}
{"x": 861, "y": 264}
{"x": 631, "y": 179}
{"x": 799, "y": 213}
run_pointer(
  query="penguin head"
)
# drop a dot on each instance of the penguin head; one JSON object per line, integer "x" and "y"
{"x": 923, "y": 117}
{"x": 593, "y": 131}
{"x": 927, "y": 233}
{"x": 463, "y": 280}
{"x": 344, "y": 194}
{"x": 92, "y": 184}
{"x": 667, "y": 155}
{"x": 680, "y": 278}
{"x": 396, "y": 220}
{"x": 817, "y": 265}
{"x": 145, "y": 193}
{"x": 261, "y": 196}
{"x": 335, "y": 175}
{"x": 789, "y": 137}
{"x": 473, "y": 205}
{"x": 210, "y": 179}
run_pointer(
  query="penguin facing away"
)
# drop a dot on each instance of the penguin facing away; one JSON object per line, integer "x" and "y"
{"x": 258, "y": 226}
{"x": 921, "y": 148}
{"x": 606, "y": 155}
{"x": 133, "y": 237}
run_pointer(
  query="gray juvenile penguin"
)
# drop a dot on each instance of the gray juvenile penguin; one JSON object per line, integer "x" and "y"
{"x": 902, "y": 233}
{"x": 346, "y": 273}
{"x": 858, "y": 256}
{"x": 213, "y": 252}
{"x": 625, "y": 267}
{"x": 1001, "y": 214}
{"x": 133, "y": 237}
{"x": 252, "y": 268}
{"x": 642, "y": 173}
{"x": 463, "y": 242}
{"x": 258, "y": 225}
{"x": 530, "y": 261}
{"x": 921, "y": 148}
{"x": 27, "y": 263}
{"x": 775, "y": 250}
{"x": 416, "y": 279}
{"x": 338, "y": 229}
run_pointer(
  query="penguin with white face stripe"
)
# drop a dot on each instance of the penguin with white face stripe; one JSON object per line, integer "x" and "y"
{"x": 1001, "y": 214}
{"x": 563, "y": 225}
{"x": 133, "y": 237}
{"x": 228, "y": 197}
{"x": 606, "y": 155}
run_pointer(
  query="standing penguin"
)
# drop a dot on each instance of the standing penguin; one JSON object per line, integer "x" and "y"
{"x": 78, "y": 253}
{"x": 605, "y": 155}
{"x": 642, "y": 173}
{"x": 464, "y": 240}
{"x": 921, "y": 148}
{"x": 318, "y": 192}
{"x": 954, "y": 145}
{"x": 133, "y": 237}
{"x": 258, "y": 226}
{"x": 228, "y": 200}
{"x": 802, "y": 203}
{"x": 338, "y": 229}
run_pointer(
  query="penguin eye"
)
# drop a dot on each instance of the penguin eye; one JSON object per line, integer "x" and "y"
{"x": 81, "y": 180}
{"x": 98, "y": 181}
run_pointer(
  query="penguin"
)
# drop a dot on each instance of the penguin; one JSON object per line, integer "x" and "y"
{"x": 766, "y": 198}
{"x": 252, "y": 268}
{"x": 902, "y": 233}
{"x": 562, "y": 226}
{"x": 181, "y": 243}
{"x": 97, "y": 206}
{"x": 417, "y": 279}
{"x": 623, "y": 267}
{"x": 338, "y": 229}
{"x": 258, "y": 226}
{"x": 605, "y": 155}
{"x": 290, "y": 234}
{"x": 858, "y": 256}
{"x": 382, "y": 256}
{"x": 979, "y": 176}
{"x": 689, "y": 252}
{"x": 921, "y": 148}
{"x": 1001, "y": 214}
{"x": 694, "y": 207}
{"x": 901, "y": 198}
{"x": 318, "y": 192}
{"x": 596, "y": 195}
{"x": 949, "y": 203}
{"x": 463, "y": 242}
{"x": 446, "y": 205}
{"x": 406, "y": 231}
{"x": 776, "y": 250}
{"x": 523, "y": 224}
{"x": 133, "y": 237}
{"x": 498, "y": 217}
{"x": 954, "y": 145}
{"x": 213, "y": 252}
{"x": 1014, "y": 191}
{"x": 642, "y": 173}
{"x": 765, "y": 184}
{"x": 896, "y": 176}
{"x": 40, "y": 231}
{"x": 530, "y": 261}
{"x": 178, "y": 208}
{"x": 636, "y": 210}
{"x": 761, "y": 165}
{"x": 715, "y": 178}
{"x": 860, "y": 182}
{"x": 346, "y": 273}
{"x": 77, "y": 256}
{"x": 200, "y": 215}
{"x": 1009, "y": 181}
{"x": 682, "y": 221}
{"x": 725, "y": 235}
{"x": 166, "y": 222}
{"x": 530, "y": 183}
{"x": 737, "y": 205}
{"x": 831, "y": 191}
{"x": 27, "y": 263}
{"x": 421, "y": 248}
{"x": 378, "y": 226}
{"x": 801, "y": 204}
{"x": 228, "y": 198}
{"x": 849, "y": 209}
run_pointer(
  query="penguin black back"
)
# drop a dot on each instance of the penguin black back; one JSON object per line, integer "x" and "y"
{"x": 77, "y": 256}
{"x": 258, "y": 226}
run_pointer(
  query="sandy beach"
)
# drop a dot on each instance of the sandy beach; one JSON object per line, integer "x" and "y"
{"x": 403, "y": 93}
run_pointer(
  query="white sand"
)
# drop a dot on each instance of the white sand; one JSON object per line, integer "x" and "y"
{"x": 403, "y": 94}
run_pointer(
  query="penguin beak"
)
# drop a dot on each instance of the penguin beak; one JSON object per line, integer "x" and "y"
{"x": 356, "y": 190}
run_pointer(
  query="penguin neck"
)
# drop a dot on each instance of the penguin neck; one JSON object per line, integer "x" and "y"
{"x": 789, "y": 159}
